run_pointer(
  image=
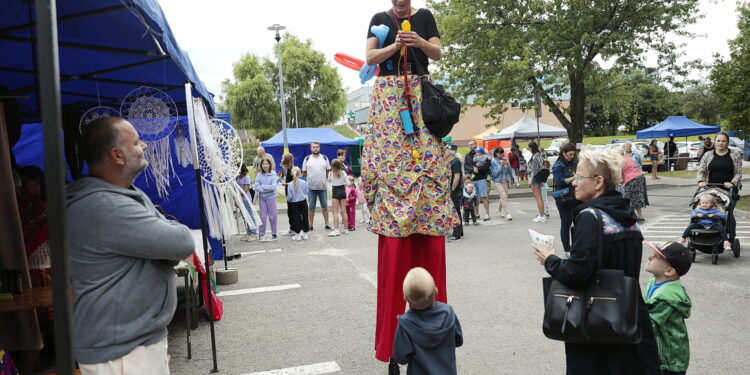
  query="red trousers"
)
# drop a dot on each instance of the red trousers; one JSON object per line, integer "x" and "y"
{"x": 396, "y": 256}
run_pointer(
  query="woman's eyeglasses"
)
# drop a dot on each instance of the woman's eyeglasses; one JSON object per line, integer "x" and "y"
{"x": 579, "y": 177}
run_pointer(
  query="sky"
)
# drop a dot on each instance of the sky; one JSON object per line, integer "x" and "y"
{"x": 217, "y": 33}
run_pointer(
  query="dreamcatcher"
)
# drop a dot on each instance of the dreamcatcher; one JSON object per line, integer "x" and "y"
{"x": 153, "y": 113}
{"x": 94, "y": 114}
{"x": 219, "y": 158}
{"x": 182, "y": 144}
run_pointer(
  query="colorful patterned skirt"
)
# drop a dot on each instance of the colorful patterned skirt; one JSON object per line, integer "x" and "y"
{"x": 406, "y": 195}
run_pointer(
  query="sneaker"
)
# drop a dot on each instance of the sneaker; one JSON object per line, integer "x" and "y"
{"x": 361, "y": 221}
{"x": 486, "y": 217}
{"x": 327, "y": 227}
{"x": 508, "y": 217}
{"x": 273, "y": 237}
{"x": 334, "y": 233}
{"x": 393, "y": 368}
{"x": 466, "y": 223}
{"x": 681, "y": 241}
{"x": 305, "y": 236}
{"x": 727, "y": 245}
{"x": 476, "y": 223}
{"x": 297, "y": 237}
{"x": 352, "y": 229}
{"x": 535, "y": 219}
{"x": 344, "y": 231}
{"x": 543, "y": 219}
{"x": 310, "y": 230}
{"x": 453, "y": 239}
{"x": 289, "y": 233}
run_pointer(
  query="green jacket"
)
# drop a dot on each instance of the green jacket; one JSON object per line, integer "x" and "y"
{"x": 668, "y": 308}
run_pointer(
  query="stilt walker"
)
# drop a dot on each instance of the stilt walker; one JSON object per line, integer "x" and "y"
{"x": 406, "y": 179}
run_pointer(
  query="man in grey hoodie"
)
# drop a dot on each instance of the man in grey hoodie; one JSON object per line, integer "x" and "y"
{"x": 429, "y": 333}
{"x": 122, "y": 253}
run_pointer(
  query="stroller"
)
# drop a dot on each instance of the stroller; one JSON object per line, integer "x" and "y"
{"x": 709, "y": 241}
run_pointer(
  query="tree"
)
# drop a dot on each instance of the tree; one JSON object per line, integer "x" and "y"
{"x": 503, "y": 50}
{"x": 701, "y": 104}
{"x": 731, "y": 78}
{"x": 252, "y": 96}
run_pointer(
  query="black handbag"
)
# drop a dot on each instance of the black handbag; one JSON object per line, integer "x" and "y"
{"x": 603, "y": 311}
{"x": 439, "y": 110}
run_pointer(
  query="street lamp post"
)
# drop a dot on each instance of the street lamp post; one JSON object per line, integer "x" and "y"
{"x": 276, "y": 27}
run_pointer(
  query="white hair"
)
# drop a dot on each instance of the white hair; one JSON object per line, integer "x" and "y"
{"x": 610, "y": 159}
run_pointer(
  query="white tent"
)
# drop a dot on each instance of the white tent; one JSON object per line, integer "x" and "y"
{"x": 526, "y": 128}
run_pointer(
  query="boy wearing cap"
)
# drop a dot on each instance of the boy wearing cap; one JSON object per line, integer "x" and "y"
{"x": 482, "y": 163}
{"x": 429, "y": 333}
{"x": 669, "y": 305}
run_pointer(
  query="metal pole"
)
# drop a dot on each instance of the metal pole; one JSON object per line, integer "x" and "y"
{"x": 296, "y": 118}
{"x": 50, "y": 105}
{"x": 202, "y": 209}
{"x": 277, "y": 28}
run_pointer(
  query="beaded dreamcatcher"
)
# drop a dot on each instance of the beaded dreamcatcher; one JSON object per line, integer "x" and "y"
{"x": 153, "y": 113}
{"x": 219, "y": 158}
{"x": 94, "y": 114}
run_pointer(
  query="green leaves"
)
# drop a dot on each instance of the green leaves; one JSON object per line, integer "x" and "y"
{"x": 252, "y": 95}
{"x": 499, "y": 51}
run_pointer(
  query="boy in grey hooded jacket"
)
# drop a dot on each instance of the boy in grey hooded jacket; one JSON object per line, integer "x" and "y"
{"x": 429, "y": 332}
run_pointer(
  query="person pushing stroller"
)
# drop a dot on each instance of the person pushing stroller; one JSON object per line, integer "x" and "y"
{"x": 708, "y": 217}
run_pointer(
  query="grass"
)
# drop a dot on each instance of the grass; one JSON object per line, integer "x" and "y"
{"x": 345, "y": 131}
{"x": 691, "y": 174}
{"x": 743, "y": 204}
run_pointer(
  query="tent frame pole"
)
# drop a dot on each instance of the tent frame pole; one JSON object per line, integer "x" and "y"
{"x": 50, "y": 106}
{"x": 202, "y": 209}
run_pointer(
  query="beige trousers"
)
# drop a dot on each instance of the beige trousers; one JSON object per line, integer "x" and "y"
{"x": 143, "y": 360}
{"x": 502, "y": 190}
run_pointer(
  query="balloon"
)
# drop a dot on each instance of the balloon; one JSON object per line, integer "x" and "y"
{"x": 348, "y": 61}
{"x": 380, "y": 31}
{"x": 405, "y": 26}
{"x": 367, "y": 72}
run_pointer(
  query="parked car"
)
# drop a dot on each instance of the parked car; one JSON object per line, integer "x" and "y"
{"x": 690, "y": 147}
{"x": 554, "y": 147}
{"x": 642, "y": 147}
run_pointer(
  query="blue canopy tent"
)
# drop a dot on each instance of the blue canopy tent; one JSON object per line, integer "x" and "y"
{"x": 66, "y": 56}
{"x": 107, "y": 48}
{"x": 677, "y": 126}
{"x": 299, "y": 140}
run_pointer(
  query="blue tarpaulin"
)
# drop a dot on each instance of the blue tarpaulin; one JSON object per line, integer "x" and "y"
{"x": 677, "y": 126}
{"x": 107, "y": 48}
{"x": 299, "y": 140}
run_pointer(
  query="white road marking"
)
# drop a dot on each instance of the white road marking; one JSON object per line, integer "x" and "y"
{"x": 259, "y": 252}
{"x": 315, "y": 369}
{"x": 258, "y": 290}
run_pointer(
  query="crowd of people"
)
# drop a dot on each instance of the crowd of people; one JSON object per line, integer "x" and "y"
{"x": 303, "y": 189}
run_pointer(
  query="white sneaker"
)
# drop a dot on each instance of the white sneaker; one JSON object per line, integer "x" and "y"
{"x": 334, "y": 233}
{"x": 538, "y": 219}
{"x": 304, "y": 236}
{"x": 361, "y": 221}
{"x": 345, "y": 231}
{"x": 297, "y": 237}
{"x": 508, "y": 217}
{"x": 543, "y": 219}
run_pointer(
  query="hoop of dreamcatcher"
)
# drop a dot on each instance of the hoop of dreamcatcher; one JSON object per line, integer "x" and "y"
{"x": 153, "y": 114}
{"x": 219, "y": 158}
{"x": 94, "y": 114}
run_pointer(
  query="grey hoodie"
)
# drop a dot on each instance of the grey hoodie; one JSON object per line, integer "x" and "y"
{"x": 427, "y": 340}
{"x": 121, "y": 256}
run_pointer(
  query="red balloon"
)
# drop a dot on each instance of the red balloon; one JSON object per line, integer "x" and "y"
{"x": 348, "y": 61}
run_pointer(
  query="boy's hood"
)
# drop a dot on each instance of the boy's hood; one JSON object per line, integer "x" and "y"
{"x": 430, "y": 327}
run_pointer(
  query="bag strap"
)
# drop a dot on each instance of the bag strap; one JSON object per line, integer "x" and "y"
{"x": 600, "y": 235}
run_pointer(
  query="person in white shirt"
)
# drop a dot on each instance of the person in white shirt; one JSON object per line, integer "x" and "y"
{"x": 315, "y": 168}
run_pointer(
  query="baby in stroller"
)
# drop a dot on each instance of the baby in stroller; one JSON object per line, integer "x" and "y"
{"x": 707, "y": 216}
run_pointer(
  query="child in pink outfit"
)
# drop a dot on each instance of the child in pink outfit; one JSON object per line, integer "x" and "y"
{"x": 351, "y": 202}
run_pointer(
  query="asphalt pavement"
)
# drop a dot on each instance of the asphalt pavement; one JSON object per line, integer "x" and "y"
{"x": 309, "y": 307}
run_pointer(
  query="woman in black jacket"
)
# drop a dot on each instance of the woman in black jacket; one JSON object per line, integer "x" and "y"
{"x": 597, "y": 176}
{"x": 563, "y": 172}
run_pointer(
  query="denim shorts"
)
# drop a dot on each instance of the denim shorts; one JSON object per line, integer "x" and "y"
{"x": 311, "y": 197}
{"x": 481, "y": 187}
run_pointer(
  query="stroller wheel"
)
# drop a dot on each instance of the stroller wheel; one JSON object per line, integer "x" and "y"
{"x": 691, "y": 249}
{"x": 736, "y": 248}
{"x": 714, "y": 258}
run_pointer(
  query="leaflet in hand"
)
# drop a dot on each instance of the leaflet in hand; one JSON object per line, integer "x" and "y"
{"x": 543, "y": 241}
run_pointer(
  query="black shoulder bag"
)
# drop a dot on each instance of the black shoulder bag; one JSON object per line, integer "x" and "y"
{"x": 604, "y": 311}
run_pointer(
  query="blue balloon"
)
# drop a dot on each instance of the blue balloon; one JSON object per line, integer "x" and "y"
{"x": 367, "y": 72}
{"x": 380, "y": 31}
